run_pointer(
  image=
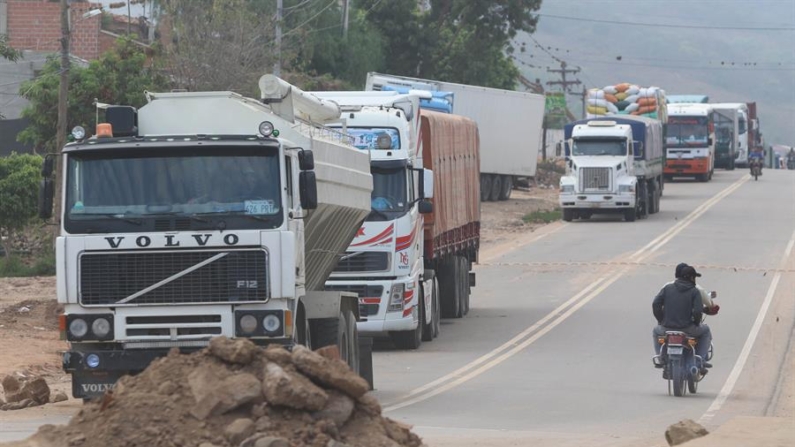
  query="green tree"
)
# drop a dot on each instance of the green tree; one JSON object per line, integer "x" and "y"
{"x": 6, "y": 52}
{"x": 19, "y": 180}
{"x": 120, "y": 76}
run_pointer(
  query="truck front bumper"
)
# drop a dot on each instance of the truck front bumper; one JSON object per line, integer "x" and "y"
{"x": 380, "y": 327}
{"x": 691, "y": 166}
{"x": 597, "y": 201}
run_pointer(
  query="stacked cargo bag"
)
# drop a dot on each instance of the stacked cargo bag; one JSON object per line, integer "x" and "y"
{"x": 626, "y": 99}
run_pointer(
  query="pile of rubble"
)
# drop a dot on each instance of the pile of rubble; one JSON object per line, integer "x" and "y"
{"x": 21, "y": 392}
{"x": 236, "y": 394}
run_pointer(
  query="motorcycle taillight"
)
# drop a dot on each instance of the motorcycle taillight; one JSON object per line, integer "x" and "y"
{"x": 675, "y": 339}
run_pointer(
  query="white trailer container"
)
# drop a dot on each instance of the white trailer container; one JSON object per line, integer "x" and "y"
{"x": 510, "y": 124}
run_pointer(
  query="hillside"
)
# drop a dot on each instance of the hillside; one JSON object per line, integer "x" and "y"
{"x": 681, "y": 60}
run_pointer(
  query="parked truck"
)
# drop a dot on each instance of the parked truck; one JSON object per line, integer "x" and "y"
{"x": 510, "y": 125}
{"x": 731, "y": 135}
{"x": 411, "y": 259}
{"x": 202, "y": 215}
{"x": 614, "y": 165}
{"x": 690, "y": 141}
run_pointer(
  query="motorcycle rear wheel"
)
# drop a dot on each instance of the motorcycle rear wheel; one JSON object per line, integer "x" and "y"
{"x": 678, "y": 378}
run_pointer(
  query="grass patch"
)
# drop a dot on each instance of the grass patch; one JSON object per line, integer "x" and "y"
{"x": 543, "y": 216}
{"x": 14, "y": 266}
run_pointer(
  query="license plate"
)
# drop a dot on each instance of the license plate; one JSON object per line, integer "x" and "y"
{"x": 594, "y": 205}
{"x": 675, "y": 350}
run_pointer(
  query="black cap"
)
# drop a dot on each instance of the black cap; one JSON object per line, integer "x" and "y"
{"x": 688, "y": 272}
{"x": 679, "y": 267}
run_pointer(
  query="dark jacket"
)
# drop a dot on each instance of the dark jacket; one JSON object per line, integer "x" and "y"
{"x": 678, "y": 305}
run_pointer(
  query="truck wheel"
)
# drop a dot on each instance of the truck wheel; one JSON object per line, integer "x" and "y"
{"x": 485, "y": 187}
{"x": 437, "y": 313}
{"x": 568, "y": 215}
{"x": 464, "y": 278}
{"x": 496, "y": 187}
{"x": 630, "y": 215}
{"x": 353, "y": 339}
{"x": 303, "y": 334}
{"x": 731, "y": 165}
{"x": 337, "y": 331}
{"x": 411, "y": 339}
{"x": 427, "y": 329}
{"x": 449, "y": 290}
{"x": 507, "y": 187}
{"x": 703, "y": 178}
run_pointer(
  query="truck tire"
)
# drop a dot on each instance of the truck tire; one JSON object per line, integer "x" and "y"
{"x": 449, "y": 290}
{"x": 427, "y": 329}
{"x": 432, "y": 329}
{"x": 568, "y": 215}
{"x": 631, "y": 215}
{"x": 507, "y": 187}
{"x": 464, "y": 278}
{"x": 337, "y": 331}
{"x": 411, "y": 339}
{"x": 353, "y": 338}
{"x": 731, "y": 166}
{"x": 703, "y": 178}
{"x": 303, "y": 333}
{"x": 496, "y": 188}
{"x": 485, "y": 187}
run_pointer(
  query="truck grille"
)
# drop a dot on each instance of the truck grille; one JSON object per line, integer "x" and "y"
{"x": 595, "y": 179}
{"x": 364, "y": 291}
{"x": 184, "y": 277}
{"x": 366, "y": 261}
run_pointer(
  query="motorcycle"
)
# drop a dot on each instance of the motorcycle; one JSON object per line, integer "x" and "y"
{"x": 756, "y": 169}
{"x": 791, "y": 163}
{"x": 681, "y": 365}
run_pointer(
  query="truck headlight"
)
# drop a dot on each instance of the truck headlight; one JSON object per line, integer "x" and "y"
{"x": 567, "y": 189}
{"x": 626, "y": 189}
{"x": 248, "y": 324}
{"x": 271, "y": 323}
{"x": 78, "y": 328}
{"x": 396, "y": 297}
{"x": 100, "y": 327}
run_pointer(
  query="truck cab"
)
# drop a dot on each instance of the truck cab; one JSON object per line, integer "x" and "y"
{"x": 614, "y": 165}
{"x": 690, "y": 141}
{"x": 384, "y": 264}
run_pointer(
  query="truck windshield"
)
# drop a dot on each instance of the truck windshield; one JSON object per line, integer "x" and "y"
{"x": 601, "y": 146}
{"x": 120, "y": 190}
{"x": 687, "y": 131}
{"x": 390, "y": 193}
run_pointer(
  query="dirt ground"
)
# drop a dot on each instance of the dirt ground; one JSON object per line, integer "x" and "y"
{"x": 500, "y": 221}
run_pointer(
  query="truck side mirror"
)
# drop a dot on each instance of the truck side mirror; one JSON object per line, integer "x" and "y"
{"x": 46, "y": 194}
{"x": 425, "y": 206}
{"x": 306, "y": 160}
{"x": 426, "y": 184}
{"x": 307, "y": 185}
{"x": 558, "y": 149}
{"x": 637, "y": 148}
{"x": 48, "y": 166}
{"x": 709, "y": 141}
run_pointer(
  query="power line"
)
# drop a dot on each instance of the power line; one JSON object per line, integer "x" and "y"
{"x": 669, "y": 25}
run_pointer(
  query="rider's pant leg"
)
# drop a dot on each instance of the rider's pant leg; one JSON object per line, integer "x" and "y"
{"x": 656, "y": 333}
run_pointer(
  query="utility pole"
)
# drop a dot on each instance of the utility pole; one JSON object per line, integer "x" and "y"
{"x": 563, "y": 72}
{"x": 346, "y": 10}
{"x": 63, "y": 91}
{"x": 277, "y": 66}
{"x": 584, "y": 100}
{"x": 129, "y": 19}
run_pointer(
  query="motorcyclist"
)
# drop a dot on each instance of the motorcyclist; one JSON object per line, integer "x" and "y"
{"x": 756, "y": 156}
{"x": 710, "y": 308}
{"x": 791, "y": 158}
{"x": 679, "y": 306}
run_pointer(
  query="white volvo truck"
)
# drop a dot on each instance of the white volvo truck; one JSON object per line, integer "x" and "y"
{"x": 200, "y": 215}
{"x": 614, "y": 165}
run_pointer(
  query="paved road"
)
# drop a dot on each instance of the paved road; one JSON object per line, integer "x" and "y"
{"x": 564, "y": 324}
{"x": 557, "y": 347}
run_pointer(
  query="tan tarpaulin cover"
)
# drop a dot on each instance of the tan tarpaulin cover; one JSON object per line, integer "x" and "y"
{"x": 451, "y": 149}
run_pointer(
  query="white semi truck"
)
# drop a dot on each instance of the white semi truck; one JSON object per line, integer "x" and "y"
{"x": 201, "y": 215}
{"x": 510, "y": 125}
{"x": 614, "y": 165}
{"x": 731, "y": 134}
{"x": 404, "y": 284}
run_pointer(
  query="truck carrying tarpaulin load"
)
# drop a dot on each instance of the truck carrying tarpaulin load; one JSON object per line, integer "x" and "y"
{"x": 614, "y": 165}
{"x": 510, "y": 125}
{"x": 205, "y": 214}
{"x": 452, "y": 232}
{"x": 394, "y": 266}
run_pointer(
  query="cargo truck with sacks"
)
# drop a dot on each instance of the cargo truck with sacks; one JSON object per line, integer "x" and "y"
{"x": 614, "y": 165}
{"x": 200, "y": 215}
{"x": 411, "y": 259}
{"x": 510, "y": 124}
{"x": 627, "y": 99}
